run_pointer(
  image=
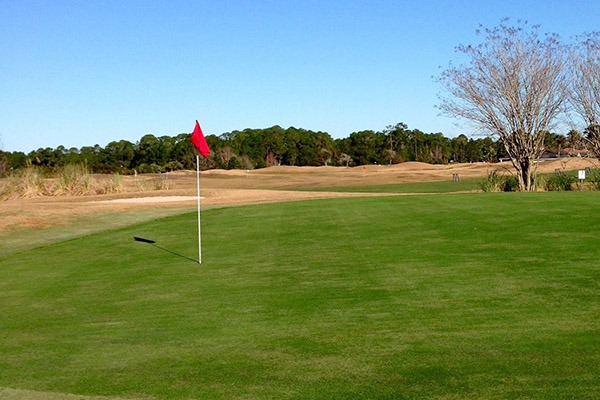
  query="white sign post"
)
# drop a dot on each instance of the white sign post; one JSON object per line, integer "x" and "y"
{"x": 582, "y": 174}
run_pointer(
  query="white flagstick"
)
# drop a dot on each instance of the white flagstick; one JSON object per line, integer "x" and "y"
{"x": 199, "y": 231}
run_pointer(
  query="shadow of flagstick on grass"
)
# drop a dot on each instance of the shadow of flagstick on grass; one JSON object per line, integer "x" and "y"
{"x": 153, "y": 243}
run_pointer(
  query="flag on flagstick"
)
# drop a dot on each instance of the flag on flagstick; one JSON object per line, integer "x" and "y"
{"x": 200, "y": 142}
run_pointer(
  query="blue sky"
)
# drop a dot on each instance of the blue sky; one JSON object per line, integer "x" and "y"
{"x": 78, "y": 73}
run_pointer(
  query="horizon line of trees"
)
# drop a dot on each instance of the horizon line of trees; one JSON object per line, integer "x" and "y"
{"x": 259, "y": 148}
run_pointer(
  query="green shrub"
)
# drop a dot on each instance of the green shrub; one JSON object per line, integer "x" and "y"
{"x": 491, "y": 183}
{"x": 594, "y": 179}
{"x": 559, "y": 182}
{"x": 511, "y": 184}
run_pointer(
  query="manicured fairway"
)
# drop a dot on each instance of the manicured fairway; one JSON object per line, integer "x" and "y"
{"x": 445, "y": 186}
{"x": 493, "y": 296}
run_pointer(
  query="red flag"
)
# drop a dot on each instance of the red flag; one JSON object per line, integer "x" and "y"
{"x": 199, "y": 141}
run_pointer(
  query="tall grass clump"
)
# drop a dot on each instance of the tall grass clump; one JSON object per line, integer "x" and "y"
{"x": 77, "y": 180}
{"x": 74, "y": 179}
{"x": 112, "y": 184}
{"x": 6, "y": 187}
{"x": 32, "y": 182}
{"x": 495, "y": 182}
{"x": 26, "y": 183}
{"x": 160, "y": 182}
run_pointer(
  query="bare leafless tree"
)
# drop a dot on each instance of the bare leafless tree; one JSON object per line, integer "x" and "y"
{"x": 226, "y": 154}
{"x": 585, "y": 86}
{"x": 513, "y": 87}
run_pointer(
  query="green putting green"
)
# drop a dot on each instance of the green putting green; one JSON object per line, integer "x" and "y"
{"x": 464, "y": 296}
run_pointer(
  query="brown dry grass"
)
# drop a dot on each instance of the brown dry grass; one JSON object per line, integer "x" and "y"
{"x": 221, "y": 187}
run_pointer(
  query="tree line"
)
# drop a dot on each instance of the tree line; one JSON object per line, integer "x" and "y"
{"x": 259, "y": 148}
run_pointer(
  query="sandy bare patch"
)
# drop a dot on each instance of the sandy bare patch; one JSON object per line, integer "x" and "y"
{"x": 154, "y": 199}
